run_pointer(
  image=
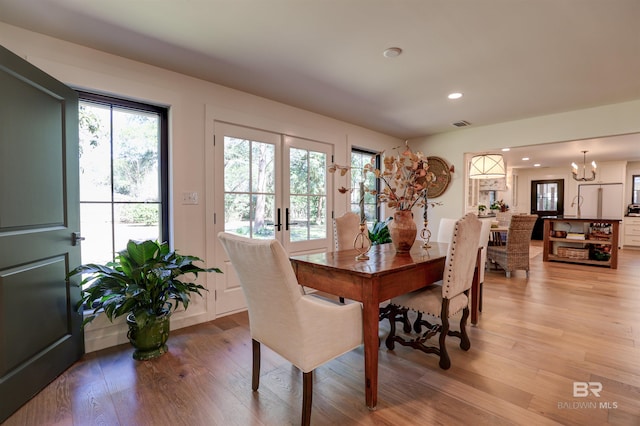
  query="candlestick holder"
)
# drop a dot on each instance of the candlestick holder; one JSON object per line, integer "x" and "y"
{"x": 425, "y": 234}
{"x": 362, "y": 243}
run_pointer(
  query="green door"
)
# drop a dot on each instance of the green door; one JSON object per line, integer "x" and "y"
{"x": 40, "y": 334}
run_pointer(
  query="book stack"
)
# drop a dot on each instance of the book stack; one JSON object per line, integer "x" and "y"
{"x": 575, "y": 236}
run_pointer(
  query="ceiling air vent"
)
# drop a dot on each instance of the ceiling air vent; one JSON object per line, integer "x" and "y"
{"x": 461, "y": 123}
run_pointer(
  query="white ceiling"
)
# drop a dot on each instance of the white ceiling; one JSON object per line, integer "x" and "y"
{"x": 512, "y": 59}
{"x": 612, "y": 148}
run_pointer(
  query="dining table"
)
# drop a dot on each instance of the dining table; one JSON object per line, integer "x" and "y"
{"x": 384, "y": 275}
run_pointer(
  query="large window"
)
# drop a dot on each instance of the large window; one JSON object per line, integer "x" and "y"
{"x": 123, "y": 174}
{"x": 358, "y": 159}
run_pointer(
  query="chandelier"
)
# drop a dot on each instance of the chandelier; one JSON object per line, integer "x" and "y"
{"x": 584, "y": 177}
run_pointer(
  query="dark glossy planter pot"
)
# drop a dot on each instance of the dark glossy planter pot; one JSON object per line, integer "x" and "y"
{"x": 150, "y": 341}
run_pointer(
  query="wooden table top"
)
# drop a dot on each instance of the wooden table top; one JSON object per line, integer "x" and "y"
{"x": 382, "y": 259}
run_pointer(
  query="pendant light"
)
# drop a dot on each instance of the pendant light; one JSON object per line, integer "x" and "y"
{"x": 487, "y": 166}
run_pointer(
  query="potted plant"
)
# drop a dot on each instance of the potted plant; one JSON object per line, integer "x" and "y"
{"x": 143, "y": 283}
{"x": 379, "y": 233}
{"x": 481, "y": 209}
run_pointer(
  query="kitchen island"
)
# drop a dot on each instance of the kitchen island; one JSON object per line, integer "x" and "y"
{"x": 581, "y": 240}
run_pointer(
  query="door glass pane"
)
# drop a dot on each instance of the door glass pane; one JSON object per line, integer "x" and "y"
{"x": 636, "y": 189}
{"x": 307, "y": 199}
{"x": 249, "y": 187}
{"x": 547, "y": 197}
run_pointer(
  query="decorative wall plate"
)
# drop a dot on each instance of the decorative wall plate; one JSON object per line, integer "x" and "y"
{"x": 443, "y": 176}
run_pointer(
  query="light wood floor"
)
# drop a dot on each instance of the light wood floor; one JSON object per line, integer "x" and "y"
{"x": 536, "y": 337}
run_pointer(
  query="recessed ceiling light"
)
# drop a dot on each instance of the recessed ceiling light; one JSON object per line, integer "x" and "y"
{"x": 506, "y": 149}
{"x": 525, "y": 158}
{"x": 392, "y": 52}
{"x": 536, "y": 165}
{"x": 455, "y": 95}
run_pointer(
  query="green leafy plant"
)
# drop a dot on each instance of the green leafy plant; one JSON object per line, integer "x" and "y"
{"x": 143, "y": 280}
{"x": 379, "y": 233}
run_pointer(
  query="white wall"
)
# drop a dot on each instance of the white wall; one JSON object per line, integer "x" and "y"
{"x": 608, "y": 120}
{"x": 193, "y": 105}
{"x": 192, "y": 101}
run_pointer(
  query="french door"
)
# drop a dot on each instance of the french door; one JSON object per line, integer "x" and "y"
{"x": 273, "y": 186}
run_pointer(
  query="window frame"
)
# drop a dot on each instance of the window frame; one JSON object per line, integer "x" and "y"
{"x": 163, "y": 161}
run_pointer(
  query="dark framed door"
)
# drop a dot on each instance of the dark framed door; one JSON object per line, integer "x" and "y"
{"x": 547, "y": 199}
{"x": 40, "y": 332}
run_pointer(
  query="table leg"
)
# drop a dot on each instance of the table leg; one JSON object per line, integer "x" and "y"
{"x": 370, "y": 323}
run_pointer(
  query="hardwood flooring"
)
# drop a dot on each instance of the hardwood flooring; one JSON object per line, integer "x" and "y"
{"x": 535, "y": 339}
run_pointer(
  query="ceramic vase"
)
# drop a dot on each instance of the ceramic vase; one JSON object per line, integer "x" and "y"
{"x": 403, "y": 231}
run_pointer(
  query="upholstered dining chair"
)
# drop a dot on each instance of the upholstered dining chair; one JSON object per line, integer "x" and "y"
{"x": 345, "y": 229}
{"x": 514, "y": 255}
{"x": 300, "y": 328}
{"x": 445, "y": 298}
{"x": 485, "y": 231}
{"x": 445, "y": 231}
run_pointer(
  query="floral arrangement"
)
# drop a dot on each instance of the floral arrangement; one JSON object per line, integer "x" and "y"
{"x": 499, "y": 205}
{"x": 405, "y": 178}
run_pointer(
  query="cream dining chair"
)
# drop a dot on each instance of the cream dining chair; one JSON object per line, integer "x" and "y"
{"x": 445, "y": 231}
{"x": 300, "y": 328}
{"x": 345, "y": 229}
{"x": 445, "y": 298}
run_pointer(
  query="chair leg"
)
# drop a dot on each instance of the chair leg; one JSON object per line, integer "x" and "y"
{"x": 255, "y": 380}
{"x": 465, "y": 343}
{"x": 445, "y": 362}
{"x": 389, "y": 342}
{"x": 508, "y": 274}
{"x": 480, "y": 297}
{"x": 307, "y": 396}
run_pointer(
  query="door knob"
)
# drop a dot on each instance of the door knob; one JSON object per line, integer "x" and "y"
{"x": 76, "y": 238}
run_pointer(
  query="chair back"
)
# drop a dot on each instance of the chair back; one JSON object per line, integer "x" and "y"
{"x": 484, "y": 243}
{"x": 503, "y": 218}
{"x": 445, "y": 229}
{"x": 270, "y": 288}
{"x": 462, "y": 256}
{"x": 519, "y": 234}
{"x": 345, "y": 229}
